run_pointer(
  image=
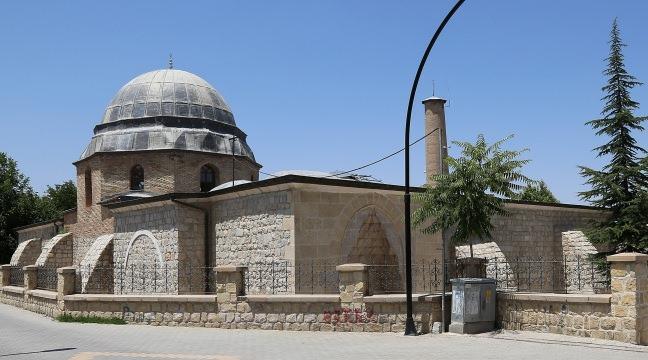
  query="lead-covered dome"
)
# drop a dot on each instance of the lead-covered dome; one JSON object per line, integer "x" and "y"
{"x": 168, "y": 92}
{"x": 168, "y": 110}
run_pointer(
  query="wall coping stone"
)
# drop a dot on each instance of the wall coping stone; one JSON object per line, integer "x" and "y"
{"x": 627, "y": 257}
{"x": 351, "y": 267}
{"x": 229, "y": 268}
{"x": 14, "y": 289}
{"x": 549, "y": 297}
{"x": 5, "y": 267}
{"x": 400, "y": 298}
{"x": 293, "y": 298}
{"x": 30, "y": 268}
{"x": 140, "y": 298}
{"x": 66, "y": 270}
{"x": 52, "y": 295}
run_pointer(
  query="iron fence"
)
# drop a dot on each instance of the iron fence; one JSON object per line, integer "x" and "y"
{"x": 46, "y": 278}
{"x": 427, "y": 277}
{"x": 566, "y": 275}
{"x": 16, "y": 276}
{"x": 145, "y": 279}
{"x": 577, "y": 274}
{"x": 283, "y": 277}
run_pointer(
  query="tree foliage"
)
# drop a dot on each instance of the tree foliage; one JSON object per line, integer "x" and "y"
{"x": 466, "y": 199}
{"x": 536, "y": 192}
{"x": 20, "y": 205}
{"x": 621, "y": 184}
{"x": 58, "y": 198}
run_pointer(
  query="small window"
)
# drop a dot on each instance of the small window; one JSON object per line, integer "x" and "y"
{"x": 88, "y": 187}
{"x": 137, "y": 178}
{"x": 208, "y": 178}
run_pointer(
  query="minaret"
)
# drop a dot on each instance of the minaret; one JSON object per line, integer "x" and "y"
{"x": 434, "y": 152}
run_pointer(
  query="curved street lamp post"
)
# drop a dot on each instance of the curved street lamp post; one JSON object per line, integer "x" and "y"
{"x": 410, "y": 327}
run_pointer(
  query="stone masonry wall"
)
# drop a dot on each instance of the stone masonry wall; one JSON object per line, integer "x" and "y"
{"x": 294, "y": 314}
{"x": 38, "y": 301}
{"x": 586, "y": 319}
{"x": 152, "y": 234}
{"x": 42, "y": 232}
{"x": 531, "y": 231}
{"x": 325, "y": 223}
{"x": 255, "y": 231}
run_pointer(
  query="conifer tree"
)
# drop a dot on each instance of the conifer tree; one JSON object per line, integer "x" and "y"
{"x": 621, "y": 185}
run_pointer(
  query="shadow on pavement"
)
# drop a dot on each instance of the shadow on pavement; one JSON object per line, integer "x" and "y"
{"x": 621, "y": 347}
{"x": 38, "y": 352}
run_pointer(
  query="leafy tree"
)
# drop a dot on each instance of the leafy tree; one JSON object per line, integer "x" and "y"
{"x": 466, "y": 199}
{"x": 537, "y": 192}
{"x": 58, "y": 198}
{"x": 18, "y": 205}
{"x": 622, "y": 183}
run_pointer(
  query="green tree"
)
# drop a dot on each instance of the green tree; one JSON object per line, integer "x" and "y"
{"x": 58, "y": 198}
{"x": 621, "y": 184}
{"x": 536, "y": 192}
{"x": 18, "y": 205}
{"x": 466, "y": 199}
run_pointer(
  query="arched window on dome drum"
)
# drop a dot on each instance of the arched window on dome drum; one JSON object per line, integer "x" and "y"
{"x": 208, "y": 178}
{"x": 137, "y": 178}
{"x": 88, "y": 187}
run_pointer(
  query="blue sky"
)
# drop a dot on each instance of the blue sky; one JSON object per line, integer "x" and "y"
{"x": 323, "y": 85}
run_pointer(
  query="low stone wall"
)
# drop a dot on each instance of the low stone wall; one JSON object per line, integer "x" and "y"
{"x": 379, "y": 313}
{"x": 569, "y": 314}
{"x": 621, "y": 316}
{"x": 38, "y": 301}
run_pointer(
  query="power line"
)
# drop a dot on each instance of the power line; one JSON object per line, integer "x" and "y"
{"x": 383, "y": 158}
{"x": 369, "y": 164}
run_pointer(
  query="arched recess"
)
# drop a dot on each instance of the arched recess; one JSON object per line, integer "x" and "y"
{"x": 143, "y": 270}
{"x": 143, "y": 235}
{"x": 371, "y": 218}
{"x": 371, "y": 238}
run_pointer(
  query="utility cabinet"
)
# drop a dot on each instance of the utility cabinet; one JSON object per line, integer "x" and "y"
{"x": 473, "y": 305}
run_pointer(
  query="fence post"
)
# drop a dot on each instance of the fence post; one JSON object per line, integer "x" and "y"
{"x": 30, "y": 275}
{"x": 353, "y": 284}
{"x": 229, "y": 286}
{"x": 629, "y": 303}
{"x": 5, "y": 275}
{"x": 66, "y": 277}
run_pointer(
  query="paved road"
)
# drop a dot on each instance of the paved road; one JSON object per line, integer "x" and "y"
{"x": 25, "y": 335}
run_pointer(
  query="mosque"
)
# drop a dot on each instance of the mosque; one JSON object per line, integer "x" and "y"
{"x": 168, "y": 184}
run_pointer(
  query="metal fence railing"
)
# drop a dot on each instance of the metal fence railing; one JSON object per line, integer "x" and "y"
{"x": 283, "y": 277}
{"x": 16, "y": 276}
{"x": 46, "y": 278}
{"x": 566, "y": 275}
{"x": 145, "y": 279}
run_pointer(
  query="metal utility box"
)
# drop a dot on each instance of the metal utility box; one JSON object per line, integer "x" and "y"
{"x": 473, "y": 305}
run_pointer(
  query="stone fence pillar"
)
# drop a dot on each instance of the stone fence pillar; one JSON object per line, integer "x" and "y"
{"x": 230, "y": 284}
{"x": 353, "y": 284}
{"x": 5, "y": 275}
{"x": 31, "y": 276}
{"x": 66, "y": 276}
{"x": 629, "y": 303}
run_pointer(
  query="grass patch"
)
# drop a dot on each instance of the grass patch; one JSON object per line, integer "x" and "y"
{"x": 90, "y": 319}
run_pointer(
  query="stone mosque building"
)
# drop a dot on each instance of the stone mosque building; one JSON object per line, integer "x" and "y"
{"x": 169, "y": 181}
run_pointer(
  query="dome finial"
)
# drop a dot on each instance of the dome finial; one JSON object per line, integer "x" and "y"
{"x": 170, "y": 60}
